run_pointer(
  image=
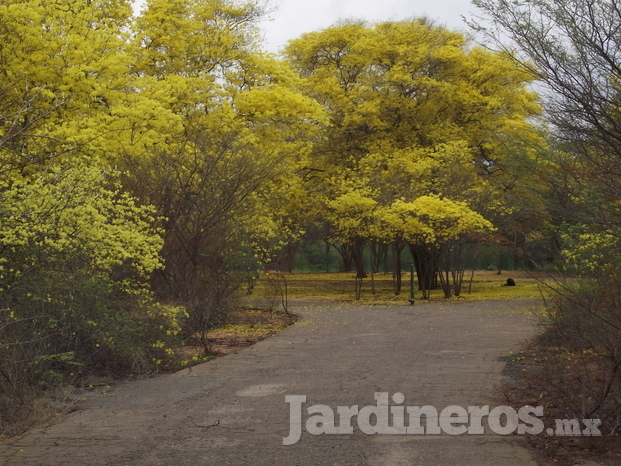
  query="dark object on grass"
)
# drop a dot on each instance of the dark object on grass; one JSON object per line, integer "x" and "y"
{"x": 510, "y": 282}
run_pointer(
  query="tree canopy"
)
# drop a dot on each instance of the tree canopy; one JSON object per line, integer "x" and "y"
{"x": 415, "y": 111}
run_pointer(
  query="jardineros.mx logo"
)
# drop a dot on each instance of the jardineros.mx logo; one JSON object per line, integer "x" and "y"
{"x": 398, "y": 419}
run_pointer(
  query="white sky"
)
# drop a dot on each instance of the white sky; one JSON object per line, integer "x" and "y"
{"x": 292, "y": 18}
{"x": 295, "y": 17}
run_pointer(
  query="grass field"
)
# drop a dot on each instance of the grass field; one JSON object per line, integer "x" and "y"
{"x": 340, "y": 286}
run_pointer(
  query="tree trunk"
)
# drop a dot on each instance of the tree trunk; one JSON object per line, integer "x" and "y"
{"x": 286, "y": 261}
{"x": 327, "y": 256}
{"x": 345, "y": 251}
{"x": 499, "y": 262}
{"x": 397, "y": 247}
{"x": 358, "y": 287}
{"x": 358, "y": 257}
{"x": 425, "y": 261}
{"x": 457, "y": 268}
{"x": 378, "y": 255}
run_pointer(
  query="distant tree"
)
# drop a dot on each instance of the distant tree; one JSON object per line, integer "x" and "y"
{"x": 414, "y": 111}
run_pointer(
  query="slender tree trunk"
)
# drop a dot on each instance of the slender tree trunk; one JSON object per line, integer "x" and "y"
{"x": 383, "y": 257}
{"x": 358, "y": 287}
{"x": 373, "y": 265}
{"x": 358, "y": 257}
{"x": 457, "y": 268}
{"x": 500, "y": 262}
{"x": 287, "y": 258}
{"x": 470, "y": 284}
{"x": 327, "y": 257}
{"x": 444, "y": 271}
{"x": 378, "y": 253}
{"x": 397, "y": 247}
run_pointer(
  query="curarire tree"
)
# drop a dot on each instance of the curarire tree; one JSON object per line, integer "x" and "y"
{"x": 226, "y": 174}
{"x": 437, "y": 226}
{"x": 415, "y": 111}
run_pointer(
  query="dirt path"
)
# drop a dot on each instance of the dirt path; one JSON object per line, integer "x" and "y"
{"x": 435, "y": 354}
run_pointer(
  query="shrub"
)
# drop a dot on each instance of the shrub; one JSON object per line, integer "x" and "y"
{"x": 75, "y": 258}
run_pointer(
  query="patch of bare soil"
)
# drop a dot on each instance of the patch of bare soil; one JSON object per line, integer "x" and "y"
{"x": 523, "y": 373}
{"x": 246, "y": 327}
{"x": 221, "y": 346}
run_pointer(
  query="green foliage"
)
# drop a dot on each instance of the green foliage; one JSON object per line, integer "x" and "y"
{"x": 62, "y": 326}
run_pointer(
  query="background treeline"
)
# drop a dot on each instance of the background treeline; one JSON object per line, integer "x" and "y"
{"x": 316, "y": 257}
{"x": 150, "y": 166}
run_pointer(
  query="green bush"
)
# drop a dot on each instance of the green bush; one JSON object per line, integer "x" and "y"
{"x": 62, "y": 327}
{"x": 75, "y": 259}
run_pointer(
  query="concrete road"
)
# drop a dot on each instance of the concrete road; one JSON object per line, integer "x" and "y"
{"x": 232, "y": 410}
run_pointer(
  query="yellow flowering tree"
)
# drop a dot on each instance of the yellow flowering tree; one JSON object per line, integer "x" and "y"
{"x": 227, "y": 178}
{"x": 76, "y": 251}
{"x": 353, "y": 216}
{"x": 435, "y": 228}
{"x": 416, "y": 111}
{"x": 76, "y": 255}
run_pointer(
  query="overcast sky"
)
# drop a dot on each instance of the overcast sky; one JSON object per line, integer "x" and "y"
{"x": 294, "y": 17}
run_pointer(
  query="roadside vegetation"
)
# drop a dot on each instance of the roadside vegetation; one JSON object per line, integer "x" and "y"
{"x": 572, "y": 49}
